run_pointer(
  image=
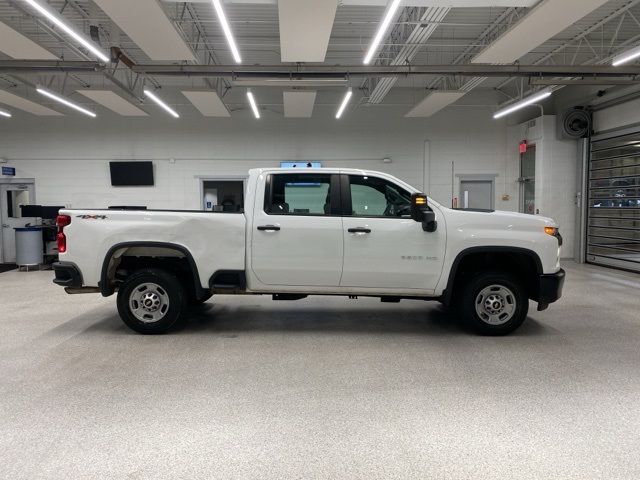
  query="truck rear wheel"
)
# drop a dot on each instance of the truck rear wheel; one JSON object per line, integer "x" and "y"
{"x": 152, "y": 301}
{"x": 494, "y": 303}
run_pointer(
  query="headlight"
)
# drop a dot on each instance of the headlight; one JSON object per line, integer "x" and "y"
{"x": 553, "y": 231}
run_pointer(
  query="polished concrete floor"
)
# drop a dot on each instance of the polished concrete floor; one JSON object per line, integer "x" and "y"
{"x": 320, "y": 388}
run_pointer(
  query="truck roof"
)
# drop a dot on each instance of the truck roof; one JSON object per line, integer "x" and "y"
{"x": 351, "y": 171}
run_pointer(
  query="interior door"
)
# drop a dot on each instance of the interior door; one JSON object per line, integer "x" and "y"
{"x": 477, "y": 194}
{"x": 297, "y": 231}
{"x": 12, "y": 195}
{"x": 383, "y": 247}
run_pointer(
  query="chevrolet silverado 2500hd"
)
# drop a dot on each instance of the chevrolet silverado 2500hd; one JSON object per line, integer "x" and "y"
{"x": 314, "y": 232}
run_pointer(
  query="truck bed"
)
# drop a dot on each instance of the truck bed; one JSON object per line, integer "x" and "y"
{"x": 215, "y": 240}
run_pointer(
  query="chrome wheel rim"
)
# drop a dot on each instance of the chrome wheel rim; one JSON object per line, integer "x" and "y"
{"x": 149, "y": 302}
{"x": 495, "y": 304}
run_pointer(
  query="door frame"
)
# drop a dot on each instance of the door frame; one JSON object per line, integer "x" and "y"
{"x": 13, "y": 181}
{"x": 477, "y": 177}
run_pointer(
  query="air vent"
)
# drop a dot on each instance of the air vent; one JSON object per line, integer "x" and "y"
{"x": 576, "y": 123}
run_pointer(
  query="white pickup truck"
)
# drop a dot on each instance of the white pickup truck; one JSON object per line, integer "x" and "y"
{"x": 314, "y": 232}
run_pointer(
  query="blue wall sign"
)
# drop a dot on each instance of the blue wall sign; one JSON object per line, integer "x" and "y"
{"x": 9, "y": 171}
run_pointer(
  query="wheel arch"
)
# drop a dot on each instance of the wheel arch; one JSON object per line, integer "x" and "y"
{"x": 106, "y": 285}
{"x": 484, "y": 254}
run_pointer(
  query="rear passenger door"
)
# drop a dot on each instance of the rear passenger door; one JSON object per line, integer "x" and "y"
{"x": 297, "y": 231}
{"x": 384, "y": 248}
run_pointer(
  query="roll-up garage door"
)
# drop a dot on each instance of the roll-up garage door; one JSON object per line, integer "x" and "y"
{"x": 613, "y": 229}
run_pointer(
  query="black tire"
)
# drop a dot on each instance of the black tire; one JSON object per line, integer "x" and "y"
{"x": 171, "y": 302}
{"x": 501, "y": 299}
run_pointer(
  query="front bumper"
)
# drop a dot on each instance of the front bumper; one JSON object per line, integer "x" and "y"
{"x": 550, "y": 288}
{"x": 67, "y": 275}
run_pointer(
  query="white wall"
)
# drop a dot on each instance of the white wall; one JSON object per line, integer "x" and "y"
{"x": 69, "y": 156}
{"x": 625, "y": 114}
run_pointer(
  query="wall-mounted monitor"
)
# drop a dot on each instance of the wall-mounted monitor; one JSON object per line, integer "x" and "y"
{"x": 131, "y": 174}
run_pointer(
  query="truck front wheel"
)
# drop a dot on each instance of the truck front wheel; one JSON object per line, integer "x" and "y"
{"x": 152, "y": 301}
{"x": 494, "y": 303}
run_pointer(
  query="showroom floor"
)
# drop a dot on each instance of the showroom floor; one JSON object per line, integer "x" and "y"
{"x": 320, "y": 388}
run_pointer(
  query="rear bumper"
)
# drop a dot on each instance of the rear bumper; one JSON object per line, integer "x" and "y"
{"x": 550, "y": 288}
{"x": 67, "y": 274}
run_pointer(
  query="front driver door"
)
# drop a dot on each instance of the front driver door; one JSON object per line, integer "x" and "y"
{"x": 297, "y": 231}
{"x": 383, "y": 247}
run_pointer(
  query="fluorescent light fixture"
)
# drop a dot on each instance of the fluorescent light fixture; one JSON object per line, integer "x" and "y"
{"x": 166, "y": 107}
{"x": 64, "y": 101}
{"x": 11, "y": 100}
{"x": 56, "y": 19}
{"x": 4, "y": 113}
{"x": 344, "y": 103}
{"x": 227, "y": 30}
{"x": 536, "y": 97}
{"x": 290, "y": 82}
{"x": 626, "y": 57}
{"x": 252, "y": 102}
{"x": 381, "y": 30}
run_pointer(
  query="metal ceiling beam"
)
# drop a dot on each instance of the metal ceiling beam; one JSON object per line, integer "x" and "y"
{"x": 49, "y": 66}
{"x": 319, "y": 71}
{"x": 583, "y": 81}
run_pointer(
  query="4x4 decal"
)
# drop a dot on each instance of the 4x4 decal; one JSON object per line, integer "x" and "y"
{"x": 92, "y": 217}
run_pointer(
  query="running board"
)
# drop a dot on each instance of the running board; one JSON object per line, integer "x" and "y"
{"x": 288, "y": 296}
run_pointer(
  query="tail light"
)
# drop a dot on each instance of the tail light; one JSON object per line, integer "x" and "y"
{"x": 61, "y": 222}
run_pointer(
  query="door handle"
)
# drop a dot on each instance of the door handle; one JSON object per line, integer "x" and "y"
{"x": 359, "y": 230}
{"x": 268, "y": 228}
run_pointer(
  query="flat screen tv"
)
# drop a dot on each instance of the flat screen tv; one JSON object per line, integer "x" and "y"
{"x": 131, "y": 174}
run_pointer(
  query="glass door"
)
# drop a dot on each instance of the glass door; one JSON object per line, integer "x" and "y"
{"x": 528, "y": 180}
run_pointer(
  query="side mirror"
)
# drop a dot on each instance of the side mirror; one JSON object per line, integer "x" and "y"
{"x": 420, "y": 212}
{"x": 418, "y": 206}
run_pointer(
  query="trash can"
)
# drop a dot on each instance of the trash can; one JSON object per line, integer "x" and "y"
{"x": 29, "y": 246}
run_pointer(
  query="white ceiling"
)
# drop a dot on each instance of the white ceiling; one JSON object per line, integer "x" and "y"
{"x": 305, "y": 28}
{"x": 16, "y": 45}
{"x": 307, "y": 31}
{"x": 146, "y": 23}
{"x": 208, "y": 103}
{"x": 298, "y": 104}
{"x": 113, "y": 102}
